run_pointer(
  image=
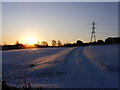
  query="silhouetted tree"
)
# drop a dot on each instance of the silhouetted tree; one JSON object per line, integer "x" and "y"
{"x": 38, "y": 42}
{"x": 109, "y": 41}
{"x": 59, "y": 43}
{"x": 54, "y": 43}
{"x": 112, "y": 40}
{"x": 17, "y": 43}
{"x": 69, "y": 44}
{"x": 100, "y": 42}
{"x": 79, "y": 42}
{"x": 5, "y": 44}
{"x": 44, "y": 43}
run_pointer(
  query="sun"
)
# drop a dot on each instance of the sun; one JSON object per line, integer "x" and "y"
{"x": 31, "y": 41}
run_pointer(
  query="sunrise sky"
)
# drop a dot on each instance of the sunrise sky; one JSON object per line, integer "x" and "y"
{"x": 65, "y": 21}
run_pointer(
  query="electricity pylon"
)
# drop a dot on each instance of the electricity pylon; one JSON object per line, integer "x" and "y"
{"x": 93, "y": 38}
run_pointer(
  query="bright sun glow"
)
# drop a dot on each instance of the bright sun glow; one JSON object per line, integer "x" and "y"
{"x": 31, "y": 41}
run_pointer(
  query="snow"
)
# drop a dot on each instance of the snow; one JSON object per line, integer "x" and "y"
{"x": 77, "y": 67}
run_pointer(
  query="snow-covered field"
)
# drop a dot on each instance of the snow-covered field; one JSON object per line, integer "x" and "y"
{"x": 78, "y": 67}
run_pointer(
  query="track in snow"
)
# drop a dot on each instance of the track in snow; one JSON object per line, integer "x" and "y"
{"x": 67, "y": 68}
{"x": 84, "y": 73}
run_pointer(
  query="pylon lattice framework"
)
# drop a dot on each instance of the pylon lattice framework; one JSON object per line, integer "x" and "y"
{"x": 93, "y": 38}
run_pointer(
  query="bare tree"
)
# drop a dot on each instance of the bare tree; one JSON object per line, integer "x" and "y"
{"x": 17, "y": 43}
{"x": 44, "y": 43}
{"x": 5, "y": 44}
{"x": 59, "y": 43}
{"x": 38, "y": 42}
{"x": 54, "y": 43}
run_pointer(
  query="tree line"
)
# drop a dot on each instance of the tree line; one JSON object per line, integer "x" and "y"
{"x": 55, "y": 43}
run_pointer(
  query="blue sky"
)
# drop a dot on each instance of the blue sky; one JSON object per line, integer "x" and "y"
{"x": 65, "y": 21}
